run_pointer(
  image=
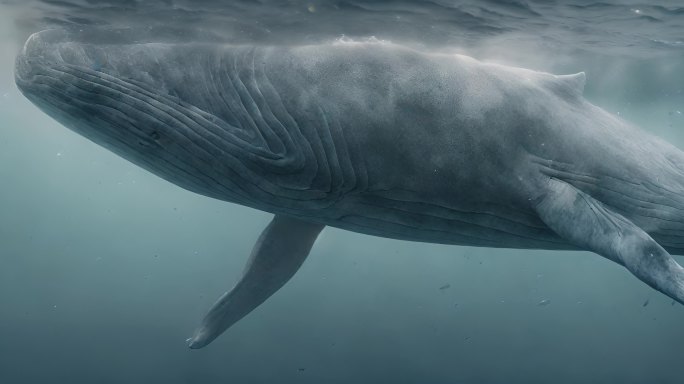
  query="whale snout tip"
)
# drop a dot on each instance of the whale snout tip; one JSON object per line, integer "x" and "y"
{"x": 36, "y": 52}
{"x": 22, "y": 69}
{"x": 42, "y": 39}
{"x": 40, "y": 48}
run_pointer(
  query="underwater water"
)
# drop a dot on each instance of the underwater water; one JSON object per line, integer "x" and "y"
{"x": 105, "y": 269}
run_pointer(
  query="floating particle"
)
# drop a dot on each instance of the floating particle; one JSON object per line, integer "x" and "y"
{"x": 544, "y": 303}
{"x": 445, "y": 286}
{"x": 646, "y": 303}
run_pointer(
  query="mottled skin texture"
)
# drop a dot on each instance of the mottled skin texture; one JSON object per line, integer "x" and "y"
{"x": 373, "y": 138}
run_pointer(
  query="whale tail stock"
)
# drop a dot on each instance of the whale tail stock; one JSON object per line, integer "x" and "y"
{"x": 588, "y": 224}
{"x": 277, "y": 255}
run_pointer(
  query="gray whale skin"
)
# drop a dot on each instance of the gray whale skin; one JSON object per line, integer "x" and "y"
{"x": 374, "y": 138}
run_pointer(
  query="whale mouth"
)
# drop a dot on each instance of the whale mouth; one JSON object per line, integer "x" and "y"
{"x": 78, "y": 93}
{"x": 76, "y": 85}
{"x": 187, "y": 113}
{"x": 63, "y": 79}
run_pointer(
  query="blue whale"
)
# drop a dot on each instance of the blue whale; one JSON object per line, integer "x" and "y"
{"x": 375, "y": 138}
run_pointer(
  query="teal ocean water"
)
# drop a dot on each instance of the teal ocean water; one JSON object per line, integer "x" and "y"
{"x": 105, "y": 269}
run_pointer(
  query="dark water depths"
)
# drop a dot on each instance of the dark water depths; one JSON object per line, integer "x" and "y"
{"x": 105, "y": 269}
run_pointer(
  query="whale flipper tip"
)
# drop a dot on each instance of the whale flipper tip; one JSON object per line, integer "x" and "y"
{"x": 195, "y": 342}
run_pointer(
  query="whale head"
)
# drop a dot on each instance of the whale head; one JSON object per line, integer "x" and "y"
{"x": 123, "y": 97}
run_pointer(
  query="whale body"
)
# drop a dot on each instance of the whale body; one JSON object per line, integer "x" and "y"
{"x": 375, "y": 138}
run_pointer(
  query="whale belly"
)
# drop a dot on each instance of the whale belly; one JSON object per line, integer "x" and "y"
{"x": 404, "y": 217}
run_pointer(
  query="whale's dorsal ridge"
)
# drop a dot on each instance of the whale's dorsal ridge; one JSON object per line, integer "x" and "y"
{"x": 572, "y": 85}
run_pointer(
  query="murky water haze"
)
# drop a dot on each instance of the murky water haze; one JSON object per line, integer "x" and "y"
{"x": 105, "y": 269}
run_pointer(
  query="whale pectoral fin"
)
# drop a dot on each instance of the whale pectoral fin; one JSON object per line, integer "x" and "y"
{"x": 587, "y": 223}
{"x": 277, "y": 255}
